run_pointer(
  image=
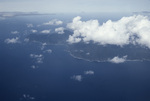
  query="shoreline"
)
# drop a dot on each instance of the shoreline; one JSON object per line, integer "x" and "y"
{"x": 128, "y": 60}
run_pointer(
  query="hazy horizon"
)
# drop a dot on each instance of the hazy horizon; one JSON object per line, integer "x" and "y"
{"x": 77, "y": 6}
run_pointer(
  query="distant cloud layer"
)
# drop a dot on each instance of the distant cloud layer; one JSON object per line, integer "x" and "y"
{"x": 118, "y": 60}
{"x": 12, "y": 41}
{"x": 128, "y": 30}
{"x": 53, "y": 22}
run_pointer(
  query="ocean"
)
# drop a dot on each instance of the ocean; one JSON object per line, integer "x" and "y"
{"x": 23, "y": 78}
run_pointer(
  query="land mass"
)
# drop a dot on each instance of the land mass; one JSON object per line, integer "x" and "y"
{"x": 93, "y": 51}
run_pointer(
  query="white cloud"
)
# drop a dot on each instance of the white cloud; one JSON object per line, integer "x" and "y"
{"x": 28, "y": 97}
{"x": 90, "y": 72}
{"x": 81, "y": 50}
{"x": 33, "y": 67}
{"x": 60, "y": 30}
{"x": 77, "y": 77}
{"x": 48, "y": 51}
{"x": 117, "y": 59}
{"x": 43, "y": 45}
{"x": 29, "y": 25}
{"x": 39, "y": 58}
{"x": 34, "y": 31}
{"x": 14, "y": 32}
{"x": 88, "y": 53}
{"x": 12, "y": 41}
{"x": 53, "y": 22}
{"x": 36, "y": 56}
{"x": 26, "y": 40}
{"x": 73, "y": 39}
{"x": 128, "y": 30}
{"x": 46, "y": 31}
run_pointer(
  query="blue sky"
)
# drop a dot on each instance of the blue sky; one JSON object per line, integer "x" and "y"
{"x": 63, "y": 6}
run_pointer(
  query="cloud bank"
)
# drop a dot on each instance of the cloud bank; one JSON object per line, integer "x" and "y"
{"x": 118, "y": 60}
{"x": 53, "y": 22}
{"x": 12, "y": 41}
{"x": 128, "y": 30}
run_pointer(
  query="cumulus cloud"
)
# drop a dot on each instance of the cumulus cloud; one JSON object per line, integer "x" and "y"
{"x": 88, "y": 53}
{"x": 117, "y": 59}
{"x": 77, "y": 77}
{"x": 90, "y": 72}
{"x": 43, "y": 45}
{"x": 33, "y": 31}
{"x": 73, "y": 39}
{"x": 29, "y": 25}
{"x": 34, "y": 67}
{"x": 26, "y": 39}
{"x": 39, "y": 58}
{"x": 60, "y": 30}
{"x": 53, "y": 22}
{"x": 14, "y": 32}
{"x": 12, "y": 41}
{"x": 128, "y": 30}
{"x": 48, "y": 51}
{"x": 36, "y": 56}
{"x": 46, "y": 31}
{"x": 28, "y": 97}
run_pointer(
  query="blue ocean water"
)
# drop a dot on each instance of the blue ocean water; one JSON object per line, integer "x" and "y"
{"x": 52, "y": 79}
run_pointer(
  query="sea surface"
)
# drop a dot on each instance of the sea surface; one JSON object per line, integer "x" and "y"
{"x": 52, "y": 79}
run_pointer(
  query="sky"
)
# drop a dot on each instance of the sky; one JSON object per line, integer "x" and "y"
{"x": 74, "y": 6}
